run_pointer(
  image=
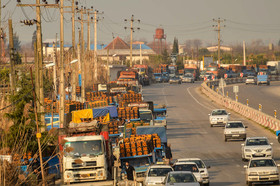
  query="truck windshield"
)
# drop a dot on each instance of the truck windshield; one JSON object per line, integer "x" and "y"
{"x": 146, "y": 116}
{"x": 83, "y": 148}
{"x": 138, "y": 162}
{"x": 155, "y": 172}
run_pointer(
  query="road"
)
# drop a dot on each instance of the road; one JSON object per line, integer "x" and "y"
{"x": 190, "y": 134}
{"x": 268, "y": 96}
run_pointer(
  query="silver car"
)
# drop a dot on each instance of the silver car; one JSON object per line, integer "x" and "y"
{"x": 188, "y": 166}
{"x": 262, "y": 170}
{"x": 188, "y": 78}
{"x": 181, "y": 178}
{"x": 218, "y": 117}
{"x": 251, "y": 80}
{"x": 235, "y": 130}
{"x": 256, "y": 147}
{"x": 201, "y": 167}
{"x": 156, "y": 174}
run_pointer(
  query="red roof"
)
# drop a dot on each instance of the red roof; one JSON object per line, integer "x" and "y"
{"x": 117, "y": 43}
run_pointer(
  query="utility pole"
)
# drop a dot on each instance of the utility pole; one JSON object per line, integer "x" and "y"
{"x": 12, "y": 62}
{"x": 54, "y": 68}
{"x": 218, "y": 28}
{"x": 73, "y": 29}
{"x": 1, "y": 32}
{"x": 95, "y": 44}
{"x": 244, "y": 54}
{"x": 132, "y": 29}
{"x": 62, "y": 79}
{"x": 88, "y": 25}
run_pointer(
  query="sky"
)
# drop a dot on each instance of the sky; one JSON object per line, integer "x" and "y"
{"x": 246, "y": 20}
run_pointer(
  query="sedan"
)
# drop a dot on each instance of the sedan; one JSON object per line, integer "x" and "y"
{"x": 251, "y": 80}
{"x": 188, "y": 78}
{"x": 175, "y": 79}
{"x": 262, "y": 170}
{"x": 218, "y": 117}
{"x": 235, "y": 130}
{"x": 256, "y": 147}
{"x": 181, "y": 178}
{"x": 156, "y": 174}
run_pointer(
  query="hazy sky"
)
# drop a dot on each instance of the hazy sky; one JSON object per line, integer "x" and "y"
{"x": 186, "y": 19}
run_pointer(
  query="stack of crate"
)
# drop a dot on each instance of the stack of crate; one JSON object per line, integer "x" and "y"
{"x": 134, "y": 124}
{"x": 113, "y": 126}
{"x": 139, "y": 145}
{"x": 128, "y": 112}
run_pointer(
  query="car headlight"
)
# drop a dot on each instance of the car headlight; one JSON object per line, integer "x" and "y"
{"x": 268, "y": 150}
{"x": 274, "y": 173}
{"x": 247, "y": 150}
{"x": 253, "y": 174}
{"x": 69, "y": 175}
{"x": 213, "y": 119}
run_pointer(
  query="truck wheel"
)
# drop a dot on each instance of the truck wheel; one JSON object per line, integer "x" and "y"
{"x": 225, "y": 139}
{"x": 211, "y": 125}
{"x": 276, "y": 182}
{"x": 249, "y": 183}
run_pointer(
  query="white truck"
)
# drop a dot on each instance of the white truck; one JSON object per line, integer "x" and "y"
{"x": 274, "y": 67}
{"x": 85, "y": 159}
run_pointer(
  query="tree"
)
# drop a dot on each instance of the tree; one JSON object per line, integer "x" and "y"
{"x": 17, "y": 43}
{"x": 165, "y": 56}
{"x": 175, "y": 49}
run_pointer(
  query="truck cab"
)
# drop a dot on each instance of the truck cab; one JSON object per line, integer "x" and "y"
{"x": 146, "y": 115}
{"x": 85, "y": 159}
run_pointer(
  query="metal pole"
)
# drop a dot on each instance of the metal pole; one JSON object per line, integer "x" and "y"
{"x": 88, "y": 33}
{"x": 219, "y": 41}
{"x": 95, "y": 46}
{"x": 73, "y": 29}
{"x": 131, "y": 37}
{"x": 244, "y": 54}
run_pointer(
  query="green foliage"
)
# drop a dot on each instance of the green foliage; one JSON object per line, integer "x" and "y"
{"x": 17, "y": 43}
{"x": 175, "y": 49}
{"x": 4, "y": 75}
{"x": 17, "y": 58}
{"x": 33, "y": 39}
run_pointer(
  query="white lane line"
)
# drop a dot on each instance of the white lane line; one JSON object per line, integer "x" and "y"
{"x": 188, "y": 89}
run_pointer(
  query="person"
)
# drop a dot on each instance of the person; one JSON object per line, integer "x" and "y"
{"x": 194, "y": 169}
{"x": 168, "y": 153}
{"x": 129, "y": 171}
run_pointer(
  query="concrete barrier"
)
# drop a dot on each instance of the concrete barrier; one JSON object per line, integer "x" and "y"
{"x": 248, "y": 112}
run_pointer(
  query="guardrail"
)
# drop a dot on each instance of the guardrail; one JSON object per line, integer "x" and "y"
{"x": 246, "y": 111}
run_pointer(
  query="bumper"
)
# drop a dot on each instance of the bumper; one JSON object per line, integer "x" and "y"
{"x": 256, "y": 155}
{"x": 265, "y": 178}
{"x": 187, "y": 81}
{"x": 84, "y": 175}
{"x": 250, "y": 82}
{"x": 235, "y": 136}
{"x": 205, "y": 180}
{"x": 215, "y": 122}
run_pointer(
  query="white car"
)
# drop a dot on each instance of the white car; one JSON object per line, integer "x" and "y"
{"x": 188, "y": 166}
{"x": 262, "y": 170}
{"x": 188, "y": 78}
{"x": 201, "y": 167}
{"x": 256, "y": 147}
{"x": 235, "y": 130}
{"x": 156, "y": 174}
{"x": 218, "y": 117}
{"x": 251, "y": 80}
{"x": 181, "y": 178}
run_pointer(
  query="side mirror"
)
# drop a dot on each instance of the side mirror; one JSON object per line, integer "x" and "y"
{"x": 242, "y": 144}
{"x": 245, "y": 166}
{"x": 278, "y": 165}
{"x": 229, "y": 113}
{"x": 246, "y": 126}
{"x": 271, "y": 143}
{"x": 208, "y": 167}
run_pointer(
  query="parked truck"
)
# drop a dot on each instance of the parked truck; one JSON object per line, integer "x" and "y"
{"x": 274, "y": 67}
{"x": 145, "y": 73}
{"x": 87, "y": 153}
{"x": 191, "y": 69}
{"x": 128, "y": 77}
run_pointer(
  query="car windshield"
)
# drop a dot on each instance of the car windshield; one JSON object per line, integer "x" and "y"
{"x": 186, "y": 167}
{"x": 138, "y": 162}
{"x": 234, "y": 125}
{"x": 181, "y": 178}
{"x": 262, "y": 163}
{"x": 219, "y": 112}
{"x": 81, "y": 148}
{"x": 199, "y": 163}
{"x": 253, "y": 142}
{"x": 155, "y": 172}
{"x": 250, "y": 77}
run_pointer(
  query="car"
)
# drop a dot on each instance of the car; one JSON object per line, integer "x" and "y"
{"x": 251, "y": 80}
{"x": 235, "y": 130}
{"x": 175, "y": 79}
{"x": 188, "y": 166}
{"x": 181, "y": 178}
{"x": 262, "y": 170}
{"x": 201, "y": 167}
{"x": 218, "y": 117}
{"x": 188, "y": 78}
{"x": 156, "y": 174}
{"x": 256, "y": 147}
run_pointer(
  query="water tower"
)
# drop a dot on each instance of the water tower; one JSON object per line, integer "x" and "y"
{"x": 158, "y": 40}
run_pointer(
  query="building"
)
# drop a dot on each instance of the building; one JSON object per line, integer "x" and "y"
{"x": 119, "y": 50}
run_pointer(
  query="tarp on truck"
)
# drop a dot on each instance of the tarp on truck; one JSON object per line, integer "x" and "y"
{"x": 112, "y": 110}
{"x": 161, "y": 131}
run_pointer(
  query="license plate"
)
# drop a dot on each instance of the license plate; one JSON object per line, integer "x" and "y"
{"x": 85, "y": 175}
{"x": 235, "y": 135}
{"x": 258, "y": 154}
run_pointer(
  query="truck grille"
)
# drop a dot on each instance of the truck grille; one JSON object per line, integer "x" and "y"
{"x": 84, "y": 164}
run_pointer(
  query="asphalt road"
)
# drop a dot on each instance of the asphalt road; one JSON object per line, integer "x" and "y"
{"x": 268, "y": 96}
{"x": 190, "y": 134}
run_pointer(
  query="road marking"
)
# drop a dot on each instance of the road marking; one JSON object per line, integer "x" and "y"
{"x": 197, "y": 100}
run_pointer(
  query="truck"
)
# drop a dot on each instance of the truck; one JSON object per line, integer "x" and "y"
{"x": 128, "y": 77}
{"x": 262, "y": 78}
{"x": 172, "y": 70}
{"x": 274, "y": 67}
{"x": 216, "y": 70}
{"x": 160, "y": 113}
{"x": 140, "y": 151}
{"x": 191, "y": 69}
{"x": 145, "y": 73}
{"x": 87, "y": 153}
{"x": 145, "y": 111}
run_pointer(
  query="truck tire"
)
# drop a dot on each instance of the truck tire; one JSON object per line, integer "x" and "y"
{"x": 276, "y": 182}
{"x": 225, "y": 139}
{"x": 249, "y": 183}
